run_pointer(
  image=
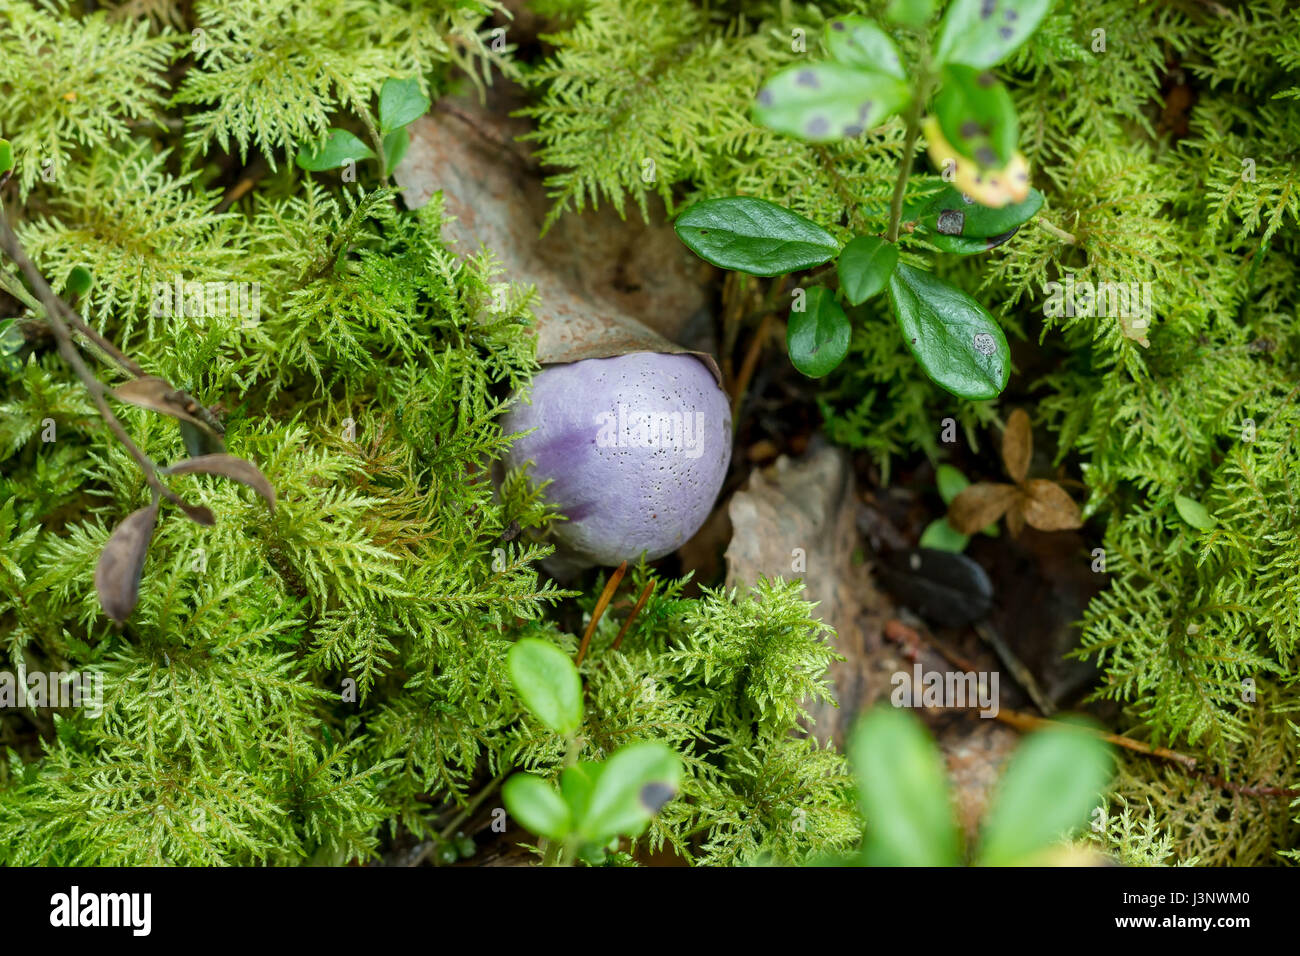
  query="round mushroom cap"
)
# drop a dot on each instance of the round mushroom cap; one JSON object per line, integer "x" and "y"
{"x": 636, "y": 448}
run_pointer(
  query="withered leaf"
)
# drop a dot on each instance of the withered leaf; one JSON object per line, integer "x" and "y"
{"x": 1017, "y": 445}
{"x": 199, "y": 514}
{"x": 1016, "y": 516}
{"x": 979, "y": 505}
{"x": 228, "y": 466}
{"x": 158, "y": 395}
{"x": 117, "y": 575}
{"x": 1047, "y": 507}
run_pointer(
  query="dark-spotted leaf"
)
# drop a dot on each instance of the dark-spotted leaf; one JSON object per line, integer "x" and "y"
{"x": 537, "y": 806}
{"x": 339, "y": 148}
{"x": 983, "y": 33}
{"x": 856, "y": 41}
{"x": 821, "y": 102}
{"x": 754, "y": 236}
{"x": 818, "y": 337}
{"x": 910, "y": 13}
{"x": 903, "y": 792}
{"x": 1194, "y": 513}
{"x": 977, "y": 116}
{"x": 952, "y": 214}
{"x": 631, "y": 788}
{"x": 400, "y": 102}
{"x": 228, "y": 466}
{"x": 117, "y": 574}
{"x": 1051, "y": 783}
{"x": 956, "y": 341}
{"x": 960, "y": 245}
{"x": 547, "y": 683}
{"x": 864, "y": 267}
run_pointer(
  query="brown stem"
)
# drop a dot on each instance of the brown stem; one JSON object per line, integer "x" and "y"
{"x": 627, "y": 624}
{"x": 601, "y": 603}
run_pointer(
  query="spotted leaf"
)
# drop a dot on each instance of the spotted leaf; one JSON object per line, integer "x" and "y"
{"x": 822, "y": 102}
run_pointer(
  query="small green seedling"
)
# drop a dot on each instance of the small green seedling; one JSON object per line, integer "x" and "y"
{"x": 939, "y": 533}
{"x": 401, "y": 102}
{"x": 972, "y": 132}
{"x": 1049, "y": 787}
{"x": 595, "y": 803}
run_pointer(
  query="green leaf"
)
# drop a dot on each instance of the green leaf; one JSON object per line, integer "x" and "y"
{"x": 977, "y": 116}
{"x": 956, "y": 341}
{"x": 821, "y": 102}
{"x": 754, "y": 236}
{"x": 79, "y": 281}
{"x": 960, "y": 245}
{"x": 818, "y": 337}
{"x": 864, "y": 267}
{"x": 1051, "y": 783}
{"x": 951, "y": 482}
{"x": 547, "y": 683}
{"x": 400, "y": 102}
{"x": 537, "y": 806}
{"x": 6, "y": 156}
{"x": 340, "y": 147}
{"x": 856, "y": 41}
{"x": 903, "y": 792}
{"x": 942, "y": 536}
{"x": 910, "y": 13}
{"x": 396, "y": 144}
{"x": 953, "y": 215}
{"x": 983, "y": 33}
{"x": 635, "y": 782}
{"x": 1194, "y": 513}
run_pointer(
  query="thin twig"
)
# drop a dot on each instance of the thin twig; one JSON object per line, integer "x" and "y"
{"x": 636, "y": 609}
{"x": 601, "y": 603}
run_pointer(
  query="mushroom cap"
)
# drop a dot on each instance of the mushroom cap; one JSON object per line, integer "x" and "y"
{"x": 635, "y": 448}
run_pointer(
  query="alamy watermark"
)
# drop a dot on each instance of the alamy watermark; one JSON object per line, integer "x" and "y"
{"x": 635, "y": 428}
{"x": 53, "y": 689}
{"x": 963, "y": 689}
{"x": 1119, "y": 300}
{"x": 207, "y": 300}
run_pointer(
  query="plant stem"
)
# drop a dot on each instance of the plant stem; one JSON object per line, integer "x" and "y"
{"x": 905, "y": 166}
{"x": 1059, "y": 233}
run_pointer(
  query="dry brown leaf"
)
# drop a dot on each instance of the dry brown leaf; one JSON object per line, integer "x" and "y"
{"x": 157, "y": 394}
{"x": 228, "y": 466}
{"x": 1016, "y": 516}
{"x": 1047, "y": 507}
{"x": 1017, "y": 445}
{"x": 117, "y": 575}
{"x": 979, "y": 505}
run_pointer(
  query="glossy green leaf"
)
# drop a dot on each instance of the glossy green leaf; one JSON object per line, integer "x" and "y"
{"x": 956, "y": 341}
{"x": 818, "y": 337}
{"x": 983, "y": 33}
{"x": 856, "y": 41}
{"x": 977, "y": 116}
{"x": 864, "y": 267}
{"x": 942, "y": 536}
{"x": 910, "y": 13}
{"x": 79, "y": 280}
{"x": 1194, "y": 513}
{"x": 6, "y": 156}
{"x": 1051, "y": 783}
{"x": 754, "y": 236}
{"x": 634, "y": 783}
{"x": 396, "y": 144}
{"x": 960, "y": 245}
{"x": 340, "y": 147}
{"x": 537, "y": 806}
{"x": 953, "y": 215}
{"x": 576, "y": 785}
{"x": 547, "y": 683}
{"x": 821, "y": 102}
{"x": 400, "y": 102}
{"x": 903, "y": 792}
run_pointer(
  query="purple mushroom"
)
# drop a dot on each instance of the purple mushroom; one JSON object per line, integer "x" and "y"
{"x": 635, "y": 447}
